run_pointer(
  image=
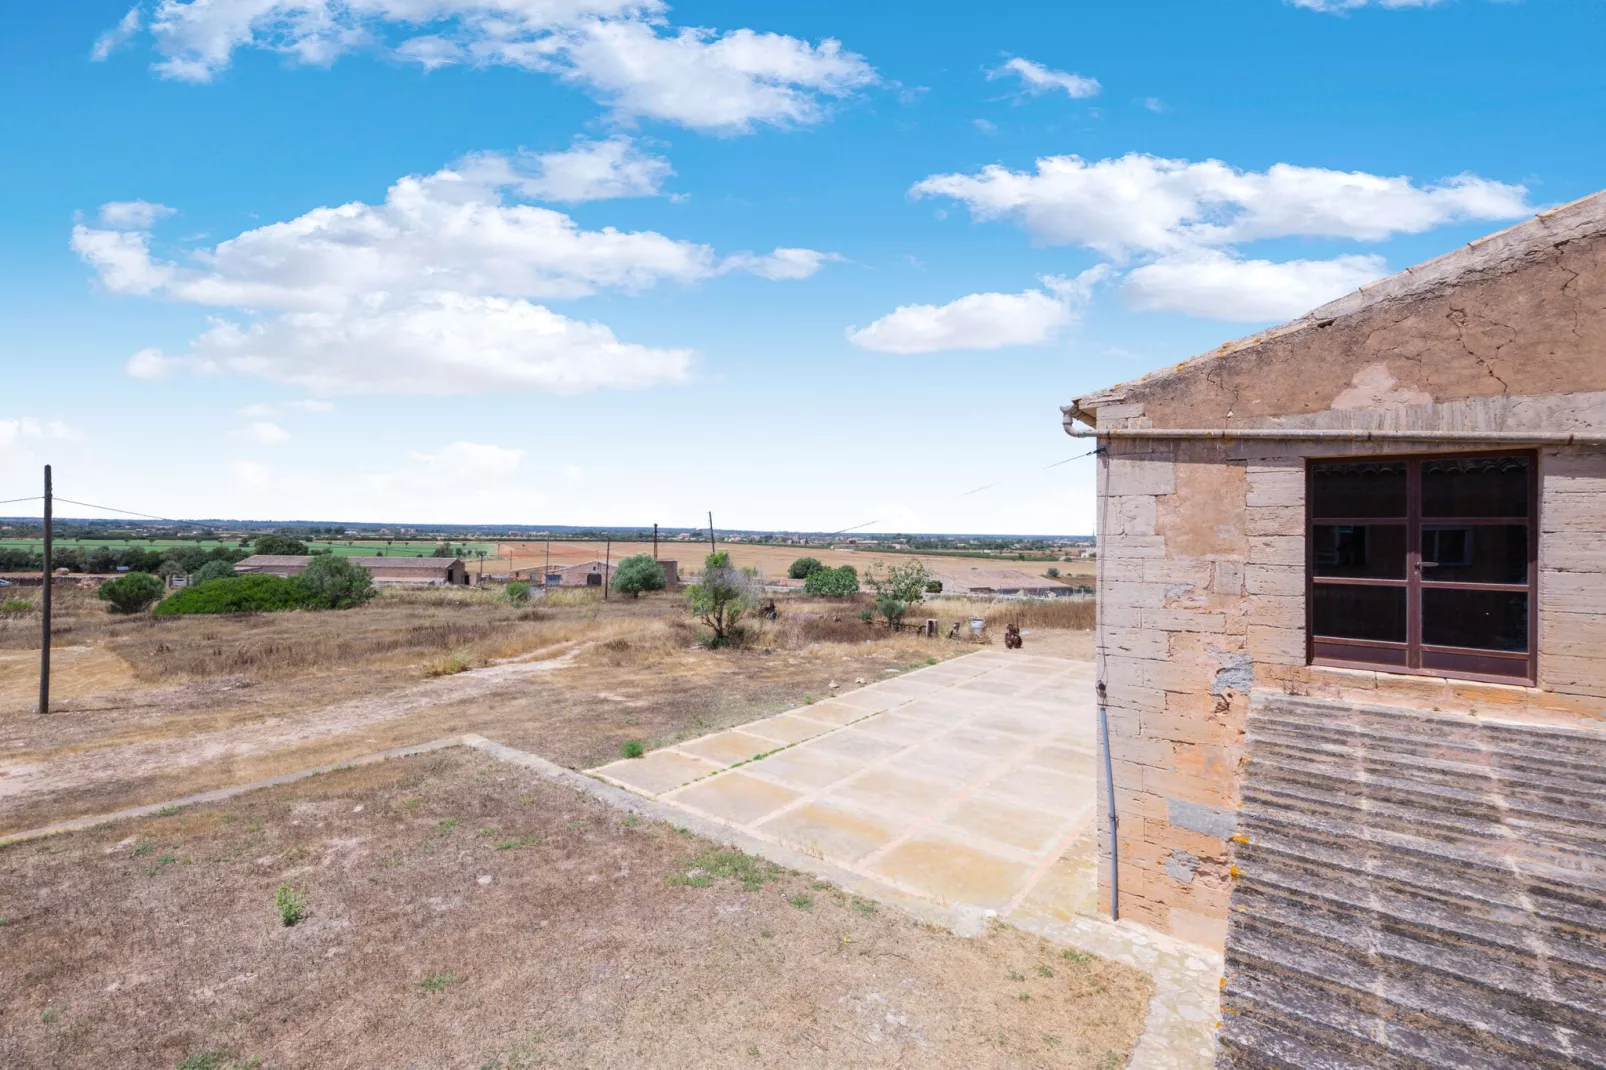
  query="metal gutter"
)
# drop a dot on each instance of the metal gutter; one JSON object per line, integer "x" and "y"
{"x": 1318, "y": 434}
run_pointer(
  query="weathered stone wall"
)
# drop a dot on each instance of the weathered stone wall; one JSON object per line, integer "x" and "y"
{"x": 1202, "y": 544}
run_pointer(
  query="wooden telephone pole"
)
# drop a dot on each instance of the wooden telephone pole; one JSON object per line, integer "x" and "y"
{"x": 44, "y": 616}
{"x": 607, "y": 562}
{"x": 711, "y": 532}
{"x": 655, "y": 542}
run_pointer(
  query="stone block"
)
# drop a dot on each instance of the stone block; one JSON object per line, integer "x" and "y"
{"x": 1183, "y": 620}
{"x": 1227, "y": 578}
{"x": 1142, "y": 595}
{"x": 1285, "y": 580}
{"x": 1141, "y": 475}
{"x": 1214, "y": 820}
{"x": 1127, "y": 547}
{"x": 1277, "y": 550}
{"x": 1132, "y": 514}
{"x": 1275, "y": 520}
{"x": 1277, "y": 611}
{"x": 1135, "y": 642}
{"x": 1286, "y": 645}
{"x": 1276, "y": 487}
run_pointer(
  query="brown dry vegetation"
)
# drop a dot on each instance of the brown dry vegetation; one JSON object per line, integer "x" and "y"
{"x": 465, "y": 913}
{"x": 153, "y": 708}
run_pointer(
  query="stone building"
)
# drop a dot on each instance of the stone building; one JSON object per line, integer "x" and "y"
{"x": 386, "y": 571}
{"x": 1352, "y": 631}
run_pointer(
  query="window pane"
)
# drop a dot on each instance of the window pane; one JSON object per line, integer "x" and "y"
{"x": 1345, "y": 612}
{"x": 1358, "y": 488}
{"x": 1475, "y": 486}
{"x": 1369, "y": 551}
{"x": 1483, "y": 620}
{"x": 1475, "y": 553}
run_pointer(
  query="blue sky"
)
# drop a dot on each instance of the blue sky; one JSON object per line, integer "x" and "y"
{"x": 617, "y": 262}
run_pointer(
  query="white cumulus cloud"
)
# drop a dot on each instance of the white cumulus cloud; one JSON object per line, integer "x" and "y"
{"x": 586, "y": 171}
{"x": 433, "y": 291}
{"x": 118, "y": 36}
{"x": 1350, "y": 5}
{"x": 624, "y": 52}
{"x": 264, "y": 433}
{"x": 1036, "y": 78}
{"x": 132, "y": 215}
{"x": 1211, "y": 284}
{"x": 1142, "y": 203}
{"x": 980, "y": 320}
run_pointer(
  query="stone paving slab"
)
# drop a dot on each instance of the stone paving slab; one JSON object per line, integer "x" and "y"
{"x": 969, "y": 785}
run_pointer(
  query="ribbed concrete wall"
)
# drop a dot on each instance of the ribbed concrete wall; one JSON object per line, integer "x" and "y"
{"x": 1414, "y": 890}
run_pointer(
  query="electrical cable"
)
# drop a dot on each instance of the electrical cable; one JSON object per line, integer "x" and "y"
{"x": 126, "y": 512}
{"x": 35, "y": 498}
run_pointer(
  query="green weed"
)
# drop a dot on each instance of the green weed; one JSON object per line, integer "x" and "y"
{"x": 167, "y": 811}
{"x": 160, "y": 864}
{"x": 632, "y": 748}
{"x": 291, "y": 905}
{"x": 721, "y": 863}
{"x": 864, "y": 906}
{"x": 437, "y": 982}
{"x": 1044, "y": 971}
{"x": 515, "y": 844}
{"x": 1079, "y": 957}
{"x": 802, "y": 902}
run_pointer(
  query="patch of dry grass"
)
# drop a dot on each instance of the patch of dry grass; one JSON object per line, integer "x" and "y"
{"x": 461, "y": 912}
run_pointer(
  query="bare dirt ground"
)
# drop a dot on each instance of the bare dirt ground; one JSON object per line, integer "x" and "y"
{"x": 154, "y": 708}
{"x": 465, "y": 913}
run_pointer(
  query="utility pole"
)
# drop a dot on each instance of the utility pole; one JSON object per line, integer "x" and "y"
{"x": 44, "y": 616}
{"x": 711, "y": 532}
{"x": 655, "y": 542}
{"x": 607, "y": 561}
{"x": 545, "y": 571}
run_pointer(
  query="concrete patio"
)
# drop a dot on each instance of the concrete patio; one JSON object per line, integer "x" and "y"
{"x": 969, "y": 782}
{"x": 969, "y": 785}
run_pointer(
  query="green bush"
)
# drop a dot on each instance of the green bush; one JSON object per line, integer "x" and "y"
{"x": 291, "y": 904}
{"x": 893, "y": 609}
{"x": 517, "y": 593}
{"x": 252, "y": 593}
{"x": 832, "y": 581}
{"x": 1052, "y": 573}
{"x": 132, "y": 593}
{"x": 214, "y": 570}
{"x": 330, "y": 582}
{"x": 16, "y": 605}
{"x": 804, "y": 567}
{"x": 637, "y": 574}
{"x": 632, "y": 748}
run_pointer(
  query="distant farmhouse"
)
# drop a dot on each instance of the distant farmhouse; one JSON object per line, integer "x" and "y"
{"x": 387, "y": 571}
{"x": 585, "y": 574}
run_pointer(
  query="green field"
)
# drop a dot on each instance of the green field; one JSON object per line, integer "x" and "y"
{"x": 355, "y": 548}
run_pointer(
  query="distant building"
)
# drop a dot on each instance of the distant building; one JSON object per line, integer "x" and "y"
{"x": 387, "y": 571}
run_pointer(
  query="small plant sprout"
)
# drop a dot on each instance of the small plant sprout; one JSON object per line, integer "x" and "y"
{"x": 1044, "y": 971}
{"x": 291, "y": 905}
{"x": 1015, "y": 975}
{"x": 439, "y": 981}
{"x": 802, "y": 902}
{"x": 632, "y": 748}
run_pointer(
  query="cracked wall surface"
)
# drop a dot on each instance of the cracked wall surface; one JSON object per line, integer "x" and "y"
{"x": 1202, "y": 544}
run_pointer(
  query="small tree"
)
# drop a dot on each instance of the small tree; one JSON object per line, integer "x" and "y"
{"x": 832, "y": 581}
{"x": 331, "y": 582}
{"x": 637, "y": 574}
{"x": 1052, "y": 573}
{"x": 804, "y": 567}
{"x": 214, "y": 570}
{"x": 517, "y": 593}
{"x": 722, "y": 597}
{"x": 893, "y": 609}
{"x": 132, "y": 593}
{"x": 280, "y": 544}
{"x": 906, "y": 582}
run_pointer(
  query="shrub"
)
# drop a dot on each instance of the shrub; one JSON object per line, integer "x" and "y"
{"x": 903, "y": 583}
{"x": 214, "y": 570}
{"x": 832, "y": 581}
{"x": 335, "y": 583}
{"x": 637, "y": 574}
{"x": 804, "y": 567}
{"x": 1052, "y": 573}
{"x": 291, "y": 904}
{"x": 893, "y": 609}
{"x": 723, "y": 596}
{"x": 253, "y": 593}
{"x": 632, "y": 748}
{"x": 517, "y": 593}
{"x": 280, "y": 544}
{"x": 16, "y": 605}
{"x": 132, "y": 593}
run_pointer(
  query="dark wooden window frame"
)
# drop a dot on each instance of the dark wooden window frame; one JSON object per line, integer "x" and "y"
{"x": 1457, "y": 663}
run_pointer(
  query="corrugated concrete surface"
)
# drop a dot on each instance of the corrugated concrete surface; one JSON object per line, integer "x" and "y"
{"x": 1416, "y": 890}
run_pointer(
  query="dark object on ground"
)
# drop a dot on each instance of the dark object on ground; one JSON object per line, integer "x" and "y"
{"x": 1012, "y": 639}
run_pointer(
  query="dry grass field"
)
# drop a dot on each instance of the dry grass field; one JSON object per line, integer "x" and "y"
{"x": 772, "y": 561}
{"x": 148, "y": 708}
{"x": 463, "y": 913}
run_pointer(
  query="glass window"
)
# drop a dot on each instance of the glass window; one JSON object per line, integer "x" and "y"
{"x": 1358, "y": 489}
{"x": 1344, "y": 611}
{"x": 1359, "y": 551}
{"x": 1475, "y": 486}
{"x": 1474, "y": 553}
{"x": 1482, "y": 620}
